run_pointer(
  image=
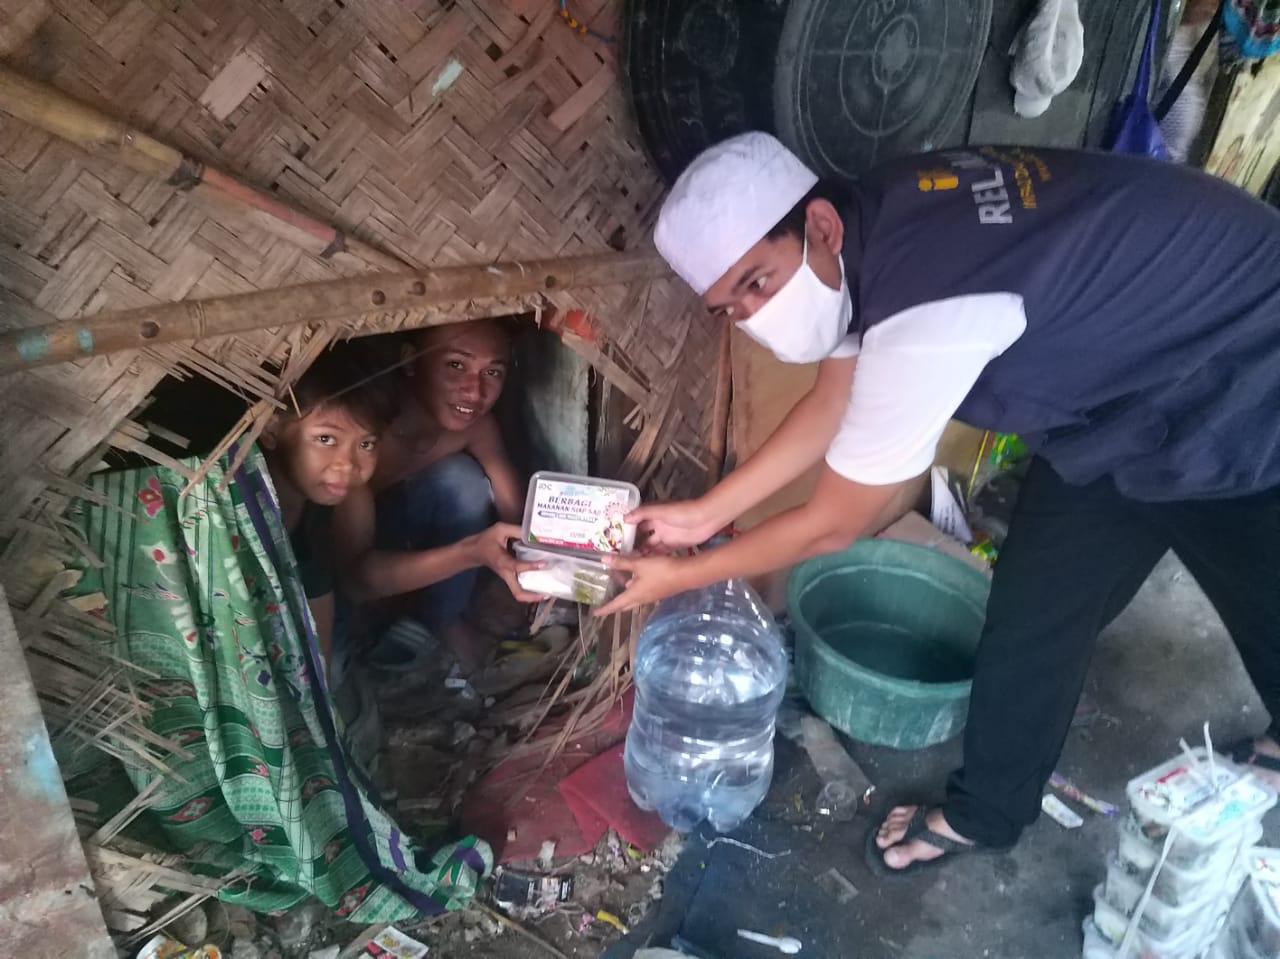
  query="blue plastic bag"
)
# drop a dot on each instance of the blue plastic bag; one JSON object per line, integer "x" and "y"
{"x": 1133, "y": 127}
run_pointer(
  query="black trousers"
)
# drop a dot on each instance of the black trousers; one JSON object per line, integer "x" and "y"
{"x": 1074, "y": 557}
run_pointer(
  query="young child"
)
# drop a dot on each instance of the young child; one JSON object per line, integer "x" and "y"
{"x": 425, "y": 524}
{"x": 205, "y": 598}
{"x": 318, "y": 454}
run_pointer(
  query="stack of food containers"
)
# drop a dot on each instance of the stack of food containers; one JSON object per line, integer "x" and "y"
{"x": 1191, "y": 823}
{"x": 570, "y": 523}
{"x": 1253, "y": 925}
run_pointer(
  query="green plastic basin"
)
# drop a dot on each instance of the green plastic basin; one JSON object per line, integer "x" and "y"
{"x": 885, "y": 639}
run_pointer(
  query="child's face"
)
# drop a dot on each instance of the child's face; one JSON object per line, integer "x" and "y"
{"x": 460, "y": 376}
{"x": 325, "y": 454}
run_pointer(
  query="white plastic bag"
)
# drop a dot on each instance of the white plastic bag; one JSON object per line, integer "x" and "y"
{"x": 1047, "y": 54}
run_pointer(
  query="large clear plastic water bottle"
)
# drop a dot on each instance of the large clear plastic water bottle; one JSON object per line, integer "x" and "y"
{"x": 710, "y": 673}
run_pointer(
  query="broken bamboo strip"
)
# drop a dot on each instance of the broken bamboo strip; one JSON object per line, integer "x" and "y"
{"x": 96, "y": 133}
{"x": 172, "y": 916}
{"x": 331, "y": 299}
{"x": 139, "y": 804}
{"x": 520, "y": 930}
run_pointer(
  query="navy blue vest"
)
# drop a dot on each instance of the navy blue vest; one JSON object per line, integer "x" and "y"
{"x": 1152, "y": 296}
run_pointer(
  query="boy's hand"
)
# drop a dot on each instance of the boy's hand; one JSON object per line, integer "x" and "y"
{"x": 491, "y": 548}
{"x": 663, "y": 527}
{"x": 652, "y": 578}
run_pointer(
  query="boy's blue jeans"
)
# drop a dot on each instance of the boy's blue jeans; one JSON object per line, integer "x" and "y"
{"x": 448, "y": 501}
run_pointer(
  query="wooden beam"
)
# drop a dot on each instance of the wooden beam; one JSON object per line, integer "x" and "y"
{"x": 332, "y": 299}
{"x": 96, "y": 133}
{"x": 48, "y": 905}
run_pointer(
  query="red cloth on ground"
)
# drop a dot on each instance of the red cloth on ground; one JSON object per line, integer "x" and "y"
{"x": 522, "y": 800}
{"x": 597, "y": 793}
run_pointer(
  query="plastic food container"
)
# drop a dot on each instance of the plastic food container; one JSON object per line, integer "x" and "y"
{"x": 1234, "y": 944}
{"x": 1178, "y": 795}
{"x": 1122, "y": 889}
{"x": 565, "y": 575}
{"x": 1109, "y": 925}
{"x": 1096, "y": 945}
{"x": 1177, "y": 886}
{"x": 1162, "y": 920}
{"x": 1254, "y": 924}
{"x": 1109, "y": 920}
{"x": 1188, "y": 944}
{"x": 1220, "y": 950}
{"x": 1136, "y": 854}
{"x": 579, "y": 513}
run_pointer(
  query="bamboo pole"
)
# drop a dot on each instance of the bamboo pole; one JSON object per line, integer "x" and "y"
{"x": 96, "y": 133}
{"x": 331, "y": 299}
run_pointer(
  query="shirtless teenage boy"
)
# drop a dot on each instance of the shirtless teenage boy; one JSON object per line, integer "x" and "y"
{"x": 425, "y": 523}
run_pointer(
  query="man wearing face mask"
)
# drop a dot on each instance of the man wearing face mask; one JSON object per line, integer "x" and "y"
{"x": 1121, "y": 314}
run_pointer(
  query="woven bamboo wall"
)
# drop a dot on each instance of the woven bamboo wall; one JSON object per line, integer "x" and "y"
{"x": 438, "y": 131}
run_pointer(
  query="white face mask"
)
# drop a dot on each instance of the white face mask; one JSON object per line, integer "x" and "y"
{"x": 805, "y": 320}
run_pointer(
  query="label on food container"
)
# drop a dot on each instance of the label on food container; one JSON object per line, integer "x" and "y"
{"x": 579, "y": 515}
{"x": 1265, "y": 869}
{"x": 1182, "y": 788}
{"x": 1238, "y": 800}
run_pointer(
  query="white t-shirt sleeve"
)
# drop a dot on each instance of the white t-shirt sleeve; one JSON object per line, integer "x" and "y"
{"x": 851, "y": 345}
{"x": 914, "y": 370}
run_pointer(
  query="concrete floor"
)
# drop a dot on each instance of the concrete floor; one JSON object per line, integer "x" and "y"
{"x": 1163, "y": 668}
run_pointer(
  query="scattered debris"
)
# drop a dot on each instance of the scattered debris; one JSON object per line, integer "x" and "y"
{"x": 787, "y": 945}
{"x": 546, "y": 854}
{"x": 391, "y": 943}
{"x": 298, "y": 928}
{"x": 845, "y": 785}
{"x": 607, "y": 917}
{"x": 162, "y": 947}
{"x": 834, "y": 884}
{"x": 1072, "y": 791}
{"x": 463, "y": 733}
{"x": 665, "y": 855}
{"x": 748, "y": 847}
{"x": 328, "y": 952}
{"x": 541, "y": 894}
{"x": 914, "y": 528}
{"x": 1060, "y": 812}
{"x": 521, "y": 930}
{"x": 1088, "y": 714}
{"x": 245, "y": 949}
{"x": 191, "y": 926}
{"x": 946, "y": 510}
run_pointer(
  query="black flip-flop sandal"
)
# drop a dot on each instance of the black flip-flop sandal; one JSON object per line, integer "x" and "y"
{"x": 1244, "y": 754}
{"x": 918, "y": 828}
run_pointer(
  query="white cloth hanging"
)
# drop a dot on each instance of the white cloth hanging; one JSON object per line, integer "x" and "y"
{"x": 1047, "y": 53}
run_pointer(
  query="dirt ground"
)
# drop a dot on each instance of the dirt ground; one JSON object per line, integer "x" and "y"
{"x": 1163, "y": 668}
{"x": 612, "y": 879}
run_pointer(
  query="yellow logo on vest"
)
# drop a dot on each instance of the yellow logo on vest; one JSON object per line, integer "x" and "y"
{"x": 930, "y": 180}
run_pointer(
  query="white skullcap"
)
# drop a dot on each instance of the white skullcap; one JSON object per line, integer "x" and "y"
{"x": 730, "y": 196}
